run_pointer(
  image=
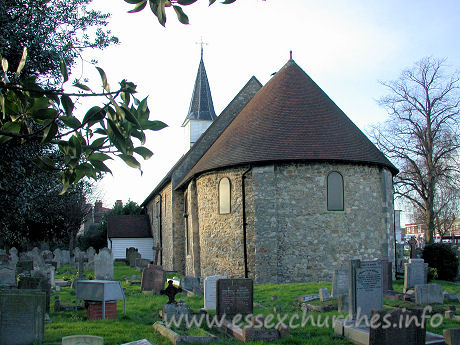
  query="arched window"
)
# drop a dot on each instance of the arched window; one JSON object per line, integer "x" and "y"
{"x": 224, "y": 196}
{"x": 334, "y": 192}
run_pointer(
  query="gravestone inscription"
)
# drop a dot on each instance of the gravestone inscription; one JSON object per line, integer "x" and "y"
{"x": 234, "y": 296}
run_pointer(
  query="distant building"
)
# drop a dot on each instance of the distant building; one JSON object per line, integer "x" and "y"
{"x": 128, "y": 231}
{"x": 94, "y": 215}
{"x": 418, "y": 230}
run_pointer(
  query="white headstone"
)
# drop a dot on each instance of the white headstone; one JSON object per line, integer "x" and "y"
{"x": 103, "y": 265}
{"x": 210, "y": 284}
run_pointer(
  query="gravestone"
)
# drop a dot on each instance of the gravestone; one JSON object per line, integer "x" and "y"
{"x": 175, "y": 310}
{"x": 7, "y": 275}
{"x": 387, "y": 275}
{"x": 133, "y": 257}
{"x": 365, "y": 287}
{"x": 153, "y": 279}
{"x": 24, "y": 266}
{"x": 90, "y": 253}
{"x": 65, "y": 257}
{"x": 415, "y": 273}
{"x": 191, "y": 284}
{"x": 324, "y": 295}
{"x": 428, "y": 294}
{"x": 58, "y": 257}
{"x": 82, "y": 340}
{"x": 47, "y": 255}
{"x": 22, "y": 317}
{"x": 130, "y": 251}
{"x": 14, "y": 256}
{"x": 452, "y": 336}
{"x": 210, "y": 284}
{"x": 234, "y": 296}
{"x": 339, "y": 283}
{"x": 142, "y": 263}
{"x": 343, "y": 304}
{"x": 410, "y": 334}
{"x": 103, "y": 265}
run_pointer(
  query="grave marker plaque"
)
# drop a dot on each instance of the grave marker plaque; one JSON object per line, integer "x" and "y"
{"x": 22, "y": 317}
{"x": 153, "y": 279}
{"x": 234, "y": 296}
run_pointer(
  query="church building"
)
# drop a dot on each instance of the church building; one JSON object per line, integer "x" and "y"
{"x": 280, "y": 187}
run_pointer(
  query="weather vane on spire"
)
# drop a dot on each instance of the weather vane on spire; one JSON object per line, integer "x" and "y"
{"x": 201, "y": 43}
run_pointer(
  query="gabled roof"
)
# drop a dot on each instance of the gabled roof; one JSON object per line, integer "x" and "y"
{"x": 186, "y": 162}
{"x": 129, "y": 226}
{"x": 201, "y": 106}
{"x": 290, "y": 119}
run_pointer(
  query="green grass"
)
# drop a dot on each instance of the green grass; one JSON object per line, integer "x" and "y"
{"x": 142, "y": 313}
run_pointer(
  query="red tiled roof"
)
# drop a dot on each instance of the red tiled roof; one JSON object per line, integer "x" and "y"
{"x": 129, "y": 226}
{"x": 290, "y": 119}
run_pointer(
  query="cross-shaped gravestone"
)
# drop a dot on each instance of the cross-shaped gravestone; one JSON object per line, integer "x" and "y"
{"x": 171, "y": 291}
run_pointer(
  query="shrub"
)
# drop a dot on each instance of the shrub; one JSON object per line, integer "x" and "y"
{"x": 443, "y": 258}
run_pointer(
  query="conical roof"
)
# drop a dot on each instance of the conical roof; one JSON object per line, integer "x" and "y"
{"x": 201, "y": 106}
{"x": 290, "y": 119}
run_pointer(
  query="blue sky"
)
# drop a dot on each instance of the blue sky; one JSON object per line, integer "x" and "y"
{"x": 345, "y": 46}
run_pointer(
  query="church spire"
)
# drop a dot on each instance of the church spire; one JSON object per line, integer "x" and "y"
{"x": 201, "y": 106}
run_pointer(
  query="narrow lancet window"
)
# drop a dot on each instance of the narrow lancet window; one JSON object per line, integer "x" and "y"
{"x": 334, "y": 192}
{"x": 224, "y": 196}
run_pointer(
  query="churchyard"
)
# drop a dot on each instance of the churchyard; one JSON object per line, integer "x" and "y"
{"x": 307, "y": 311}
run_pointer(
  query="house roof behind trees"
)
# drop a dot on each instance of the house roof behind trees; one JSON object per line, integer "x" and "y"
{"x": 128, "y": 226}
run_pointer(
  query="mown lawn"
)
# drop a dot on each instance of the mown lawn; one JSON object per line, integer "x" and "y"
{"x": 142, "y": 312}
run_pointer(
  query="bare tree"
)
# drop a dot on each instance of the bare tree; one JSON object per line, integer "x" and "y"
{"x": 422, "y": 136}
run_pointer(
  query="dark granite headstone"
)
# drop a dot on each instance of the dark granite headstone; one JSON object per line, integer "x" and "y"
{"x": 22, "y": 317}
{"x": 191, "y": 284}
{"x": 234, "y": 296}
{"x": 153, "y": 279}
{"x": 387, "y": 275}
{"x": 365, "y": 287}
{"x": 398, "y": 332}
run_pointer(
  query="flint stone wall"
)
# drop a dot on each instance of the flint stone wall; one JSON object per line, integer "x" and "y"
{"x": 291, "y": 236}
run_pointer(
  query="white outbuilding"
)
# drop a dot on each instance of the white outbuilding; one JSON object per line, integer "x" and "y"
{"x": 128, "y": 231}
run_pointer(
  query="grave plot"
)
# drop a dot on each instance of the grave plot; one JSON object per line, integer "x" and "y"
{"x": 183, "y": 334}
